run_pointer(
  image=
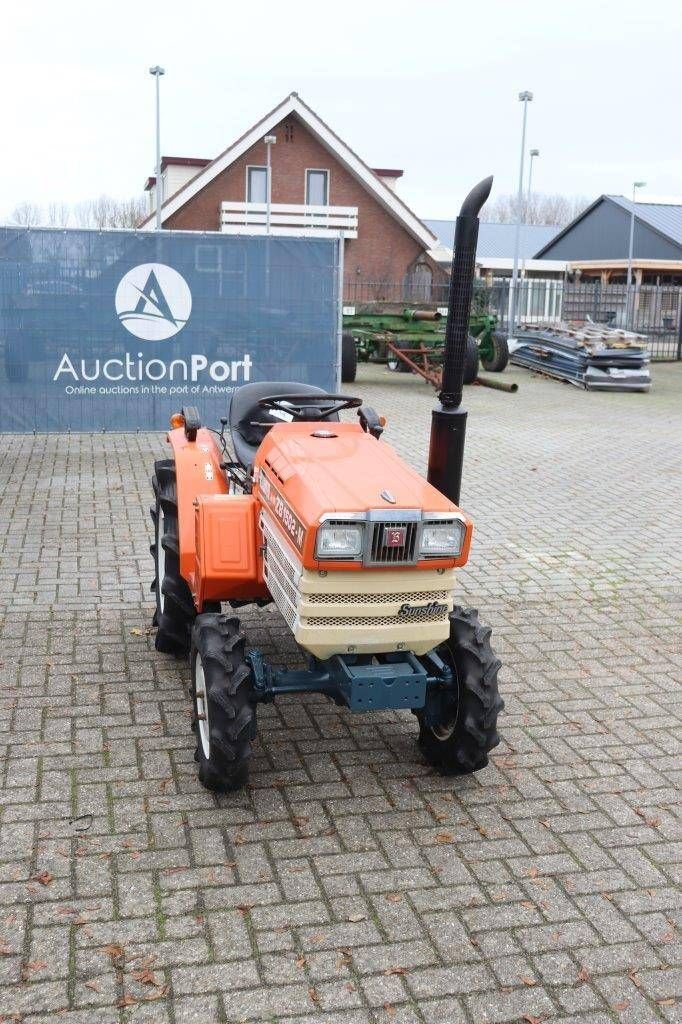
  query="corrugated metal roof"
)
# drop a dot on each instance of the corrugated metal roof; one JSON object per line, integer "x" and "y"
{"x": 663, "y": 217}
{"x": 497, "y": 240}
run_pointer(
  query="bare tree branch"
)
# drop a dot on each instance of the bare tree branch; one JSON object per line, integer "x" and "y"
{"x": 58, "y": 215}
{"x": 26, "y": 214}
{"x": 537, "y": 209}
{"x": 105, "y": 212}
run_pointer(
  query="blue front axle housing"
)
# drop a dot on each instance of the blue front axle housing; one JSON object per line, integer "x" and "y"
{"x": 360, "y": 682}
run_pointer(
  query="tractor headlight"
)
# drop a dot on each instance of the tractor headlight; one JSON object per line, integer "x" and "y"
{"x": 339, "y": 541}
{"x": 444, "y": 538}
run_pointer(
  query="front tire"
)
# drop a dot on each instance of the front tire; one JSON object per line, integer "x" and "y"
{"x": 175, "y": 610}
{"x": 458, "y": 727}
{"x": 224, "y": 702}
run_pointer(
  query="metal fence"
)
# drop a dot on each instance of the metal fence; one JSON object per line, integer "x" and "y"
{"x": 361, "y": 291}
{"x": 117, "y": 329}
{"x": 656, "y": 310}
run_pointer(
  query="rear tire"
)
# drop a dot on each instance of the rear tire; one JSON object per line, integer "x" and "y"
{"x": 175, "y": 610}
{"x": 224, "y": 702}
{"x": 349, "y": 358}
{"x": 500, "y": 356}
{"x": 462, "y": 727}
{"x": 470, "y": 360}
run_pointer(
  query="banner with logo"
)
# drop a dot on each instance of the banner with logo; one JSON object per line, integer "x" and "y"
{"x": 114, "y": 330}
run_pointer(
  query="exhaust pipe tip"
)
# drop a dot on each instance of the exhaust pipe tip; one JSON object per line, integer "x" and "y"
{"x": 477, "y": 198}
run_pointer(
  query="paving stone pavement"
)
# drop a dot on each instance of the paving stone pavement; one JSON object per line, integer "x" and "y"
{"x": 349, "y": 884}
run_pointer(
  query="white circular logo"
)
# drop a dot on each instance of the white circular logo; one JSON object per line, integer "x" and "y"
{"x": 153, "y": 301}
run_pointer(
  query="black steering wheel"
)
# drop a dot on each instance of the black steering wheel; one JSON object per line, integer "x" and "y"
{"x": 309, "y": 407}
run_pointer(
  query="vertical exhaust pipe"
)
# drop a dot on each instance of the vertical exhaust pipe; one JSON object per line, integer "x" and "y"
{"x": 448, "y": 421}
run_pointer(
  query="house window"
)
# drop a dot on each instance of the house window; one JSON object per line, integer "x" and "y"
{"x": 256, "y": 184}
{"x": 317, "y": 188}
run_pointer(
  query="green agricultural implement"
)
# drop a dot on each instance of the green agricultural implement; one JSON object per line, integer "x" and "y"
{"x": 413, "y": 340}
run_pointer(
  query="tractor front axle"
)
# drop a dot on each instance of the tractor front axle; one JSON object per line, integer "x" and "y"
{"x": 399, "y": 680}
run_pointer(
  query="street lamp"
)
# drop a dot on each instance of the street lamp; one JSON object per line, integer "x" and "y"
{"x": 533, "y": 154}
{"x": 629, "y": 313}
{"x": 269, "y": 141}
{"x": 525, "y": 98}
{"x": 157, "y": 71}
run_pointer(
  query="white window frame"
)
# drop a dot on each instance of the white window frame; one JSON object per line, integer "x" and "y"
{"x": 255, "y": 167}
{"x": 317, "y": 170}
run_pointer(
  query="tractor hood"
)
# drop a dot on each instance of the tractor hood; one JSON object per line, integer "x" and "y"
{"x": 311, "y": 470}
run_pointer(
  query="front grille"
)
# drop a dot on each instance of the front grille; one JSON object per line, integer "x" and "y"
{"x": 422, "y": 615}
{"x": 391, "y": 597}
{"x": 281, "y": 574}
{"x": 273, "y": 570}
{"x": 381, "y": 554}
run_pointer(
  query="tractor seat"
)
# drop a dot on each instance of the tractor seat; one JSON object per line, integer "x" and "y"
{"x": 245, "y": 410}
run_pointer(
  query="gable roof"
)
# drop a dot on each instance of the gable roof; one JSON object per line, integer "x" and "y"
{"x": 666, "y": 218}
{"x": 497, "y": 240}
{"x": 293, "y": 104}
{"x": 663, "y": 218}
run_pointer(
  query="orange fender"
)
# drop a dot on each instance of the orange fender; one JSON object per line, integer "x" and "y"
{"x": 227, "y": 559}
{"x": 198, "y": 472}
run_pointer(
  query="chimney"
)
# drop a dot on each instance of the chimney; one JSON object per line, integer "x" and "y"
{"x": 150, "y": 189}
{"x": 388, "y": 175}
{"x": 176, "y": 171}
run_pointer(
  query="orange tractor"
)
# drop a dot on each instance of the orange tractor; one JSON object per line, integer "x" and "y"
{"x": 356, "y": 550}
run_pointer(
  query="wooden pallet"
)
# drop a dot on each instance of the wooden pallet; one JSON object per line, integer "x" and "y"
{"x": 587, "y": 334}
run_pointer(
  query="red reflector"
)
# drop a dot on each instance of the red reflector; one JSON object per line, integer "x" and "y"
{"x": 395, "y": 536}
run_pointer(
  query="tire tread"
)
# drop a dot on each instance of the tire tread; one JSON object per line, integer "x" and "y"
{"x": 231, "y": 704}
{"x": 475, "y": 735}
{"x": 174, "y": 622}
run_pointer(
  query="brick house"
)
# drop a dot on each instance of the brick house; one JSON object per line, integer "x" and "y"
{"x": 319, "y": 186}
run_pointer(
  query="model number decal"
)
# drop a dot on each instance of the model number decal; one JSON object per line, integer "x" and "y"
{"x": 291, "y": 524}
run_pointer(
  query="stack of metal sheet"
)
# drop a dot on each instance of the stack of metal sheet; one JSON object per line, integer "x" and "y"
{"x": 592, "y": 356}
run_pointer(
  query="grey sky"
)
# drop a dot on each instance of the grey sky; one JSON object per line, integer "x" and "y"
{"x": 430, "y": 87}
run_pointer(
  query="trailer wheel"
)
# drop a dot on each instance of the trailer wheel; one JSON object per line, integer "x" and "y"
{"x": 175, "y": 611}
{"x": 395, "y": 363}
{"x": 470, "y": 360}
{"x": 462, "y": 723}
{"x": 349, "y": 358}
{"x": 224, "y": 702}
{"x": 497, "y": 361}
{"x": 378, "y": 352}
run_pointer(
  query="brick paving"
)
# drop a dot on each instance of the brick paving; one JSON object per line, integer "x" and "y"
{"x": 349, "y": 884}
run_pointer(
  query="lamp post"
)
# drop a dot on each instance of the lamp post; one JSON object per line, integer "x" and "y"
{"x": 525, "y": 98}
{"x": 629, "y": 312}
{"x": 269, "y": 141}
{"x": 533, "y": 154}
{"x": 157, "y": 71}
